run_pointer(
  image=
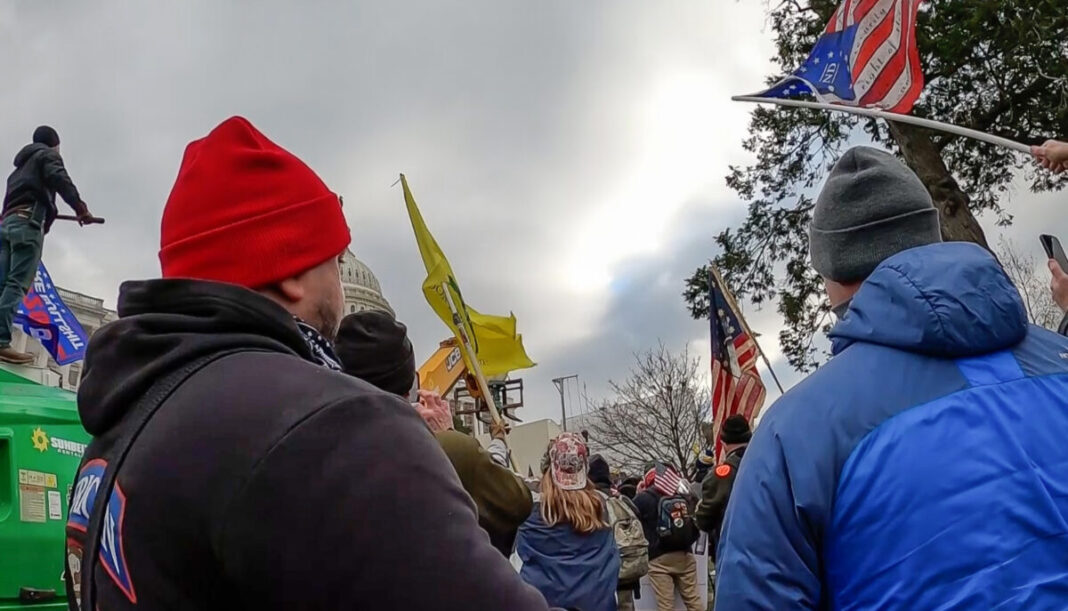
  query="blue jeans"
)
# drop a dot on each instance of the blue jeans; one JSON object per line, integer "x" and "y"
{"x": 21, "y": 242}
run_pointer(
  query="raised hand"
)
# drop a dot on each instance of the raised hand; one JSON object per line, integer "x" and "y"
{"x": 1052, "y": 155}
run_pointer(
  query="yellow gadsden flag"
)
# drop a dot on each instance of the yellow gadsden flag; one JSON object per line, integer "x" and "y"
{"x": 495, "y": 341}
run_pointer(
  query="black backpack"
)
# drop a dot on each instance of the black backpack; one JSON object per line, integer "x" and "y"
{"x": 675, "y": 525}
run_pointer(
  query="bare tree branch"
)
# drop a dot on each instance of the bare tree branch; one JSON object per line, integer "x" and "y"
{"x": 656, "y": 413}
{"x": 1033, "y": 284}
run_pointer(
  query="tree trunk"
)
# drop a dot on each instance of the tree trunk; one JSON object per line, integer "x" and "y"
{"x": 921, "y": 154}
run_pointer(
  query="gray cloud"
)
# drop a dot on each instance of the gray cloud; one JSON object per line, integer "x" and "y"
{"x": 569, "y": 157}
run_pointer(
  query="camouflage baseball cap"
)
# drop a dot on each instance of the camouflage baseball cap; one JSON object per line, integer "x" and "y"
{"x": 569, "y": 459}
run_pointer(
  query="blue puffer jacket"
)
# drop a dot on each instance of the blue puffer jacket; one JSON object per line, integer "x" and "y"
{"x": 571, "y": 570}
{"x": 924, "y": 467}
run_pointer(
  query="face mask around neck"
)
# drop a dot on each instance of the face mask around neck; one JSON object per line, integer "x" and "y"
{"x": 841, "y": 309}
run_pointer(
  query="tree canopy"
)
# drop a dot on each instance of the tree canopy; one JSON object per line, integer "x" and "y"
{"x": 999, "y": 66}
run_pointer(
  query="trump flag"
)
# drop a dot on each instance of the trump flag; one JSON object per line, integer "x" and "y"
{"x": 44, "y": 316}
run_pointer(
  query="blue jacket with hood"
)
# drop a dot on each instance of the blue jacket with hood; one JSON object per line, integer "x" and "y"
{"x": 924, "y": 467}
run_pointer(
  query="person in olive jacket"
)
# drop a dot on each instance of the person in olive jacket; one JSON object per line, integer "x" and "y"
{"x": 374, "y": 346}
{"x": 717, "y": 485}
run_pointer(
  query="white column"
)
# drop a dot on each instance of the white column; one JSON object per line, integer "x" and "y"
{"x": 18, "y": 340}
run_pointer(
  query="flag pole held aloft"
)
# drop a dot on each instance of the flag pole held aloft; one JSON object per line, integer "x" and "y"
{"x": 734, "y": 305}
{"x": 866, "y": 62}
{"x": 483, "y": 386}
{"x": 890, "y": 116}
{"x": 494, "y": 340}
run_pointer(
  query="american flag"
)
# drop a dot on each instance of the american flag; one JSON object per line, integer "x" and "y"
{"x": 667, "y": 481}
{"x": 866, "y": 57}
{"x": 736, "y": 384}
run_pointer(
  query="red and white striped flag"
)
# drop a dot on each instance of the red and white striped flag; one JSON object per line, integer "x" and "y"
{"x": 667, "y": 481}
{"x": 736, "y": 384}
{"x": 867, "y": 56}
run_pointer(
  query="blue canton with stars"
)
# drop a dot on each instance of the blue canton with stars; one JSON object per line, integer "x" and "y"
{"x": 826, "y": 70}
{"x": 725, "y": 327}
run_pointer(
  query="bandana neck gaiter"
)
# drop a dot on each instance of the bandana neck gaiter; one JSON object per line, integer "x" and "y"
{"x": 321, "y": 349}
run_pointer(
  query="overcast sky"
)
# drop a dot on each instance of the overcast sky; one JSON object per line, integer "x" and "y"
{"x": 568, "y": 156}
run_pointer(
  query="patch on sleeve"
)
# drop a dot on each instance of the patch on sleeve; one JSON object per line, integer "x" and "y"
{"x": 723, "y": 471}
{"x": 112, "y": 553}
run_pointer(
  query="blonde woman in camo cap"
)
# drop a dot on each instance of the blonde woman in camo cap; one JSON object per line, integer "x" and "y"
{"x": 566, "y": 547}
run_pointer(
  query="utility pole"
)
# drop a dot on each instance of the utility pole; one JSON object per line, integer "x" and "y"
{"x": 559, "y": 382}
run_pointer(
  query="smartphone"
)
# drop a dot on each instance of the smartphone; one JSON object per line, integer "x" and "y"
{"x": 1054, "y": 250}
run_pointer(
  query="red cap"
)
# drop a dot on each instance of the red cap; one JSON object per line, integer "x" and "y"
{"x": 246, "y": 211}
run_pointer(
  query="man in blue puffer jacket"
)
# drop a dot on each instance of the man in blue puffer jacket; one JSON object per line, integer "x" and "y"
{"x": 926, "y": 465}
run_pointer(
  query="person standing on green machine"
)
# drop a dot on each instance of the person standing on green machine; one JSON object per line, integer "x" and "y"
{"x": 28, "y": 212}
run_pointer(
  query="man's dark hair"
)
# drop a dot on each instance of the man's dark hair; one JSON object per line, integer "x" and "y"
{"x": 46, "y": 135}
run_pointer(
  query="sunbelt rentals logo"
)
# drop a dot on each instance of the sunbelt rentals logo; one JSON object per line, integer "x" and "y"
{"x": 42, "y": 441}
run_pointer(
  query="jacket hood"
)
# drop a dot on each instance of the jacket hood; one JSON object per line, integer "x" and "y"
{"x": 164, "y": 324}
{"x": 28, "y": 151}
{"x": 946, "y": 300}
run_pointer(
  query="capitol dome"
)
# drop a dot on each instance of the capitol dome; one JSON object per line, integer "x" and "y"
{"x": 362, "y": 291}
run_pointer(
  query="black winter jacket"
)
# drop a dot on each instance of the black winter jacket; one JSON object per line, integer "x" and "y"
{"x": 39, "y": 174}
{"x": 269, "y": 482}
{"x": 716, "y": 492}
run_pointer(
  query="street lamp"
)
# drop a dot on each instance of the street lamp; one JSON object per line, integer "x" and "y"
{"x": 559, "y": 382}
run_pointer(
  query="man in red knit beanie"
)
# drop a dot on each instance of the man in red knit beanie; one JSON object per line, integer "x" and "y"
{"x": 240, "y": 468}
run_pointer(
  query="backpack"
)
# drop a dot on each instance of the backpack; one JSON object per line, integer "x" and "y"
{"x": 675, "y": 525}
{"x": 630, "y": 538}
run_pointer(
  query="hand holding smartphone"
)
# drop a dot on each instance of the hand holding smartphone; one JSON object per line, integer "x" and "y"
{"x": 1054, "y": 250}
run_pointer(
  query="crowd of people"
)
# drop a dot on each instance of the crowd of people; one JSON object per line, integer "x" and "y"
{"x": 260, "y": 449}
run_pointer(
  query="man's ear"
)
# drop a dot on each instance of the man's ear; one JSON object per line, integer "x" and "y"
{"x": 290, "y": 289}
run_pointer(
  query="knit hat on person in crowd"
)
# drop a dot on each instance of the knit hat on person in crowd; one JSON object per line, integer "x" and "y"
{"x": 246, "y": 211}
{"x": 374, "y": 347}
{"x": 629, "y": 487}
{"x": 871, "y": 207}
{"x": 735, "y": 430}
{"x": 599, "y": 471}
{"x": 569, "y": 461}
{"x": 46, "y": 135}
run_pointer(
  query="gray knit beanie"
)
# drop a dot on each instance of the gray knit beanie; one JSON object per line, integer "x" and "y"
{"x": 871, "y": 207}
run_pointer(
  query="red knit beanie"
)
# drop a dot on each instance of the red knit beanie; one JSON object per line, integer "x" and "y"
{"x": 246, "y": 211}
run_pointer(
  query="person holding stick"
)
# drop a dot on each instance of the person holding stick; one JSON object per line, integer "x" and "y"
{"x": 28, "y": 212}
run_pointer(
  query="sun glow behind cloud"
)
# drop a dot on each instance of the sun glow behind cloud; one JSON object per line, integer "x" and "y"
{"x": 680, "y": 128}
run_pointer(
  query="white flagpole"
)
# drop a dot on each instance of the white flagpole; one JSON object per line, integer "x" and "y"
{"x": 890, "y": 116}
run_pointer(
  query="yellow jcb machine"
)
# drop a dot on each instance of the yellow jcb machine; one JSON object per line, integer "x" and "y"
{"x": 446, "y": 374}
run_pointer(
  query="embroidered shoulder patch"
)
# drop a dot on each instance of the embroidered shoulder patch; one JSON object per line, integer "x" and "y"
{"x": 112, "y": 553}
